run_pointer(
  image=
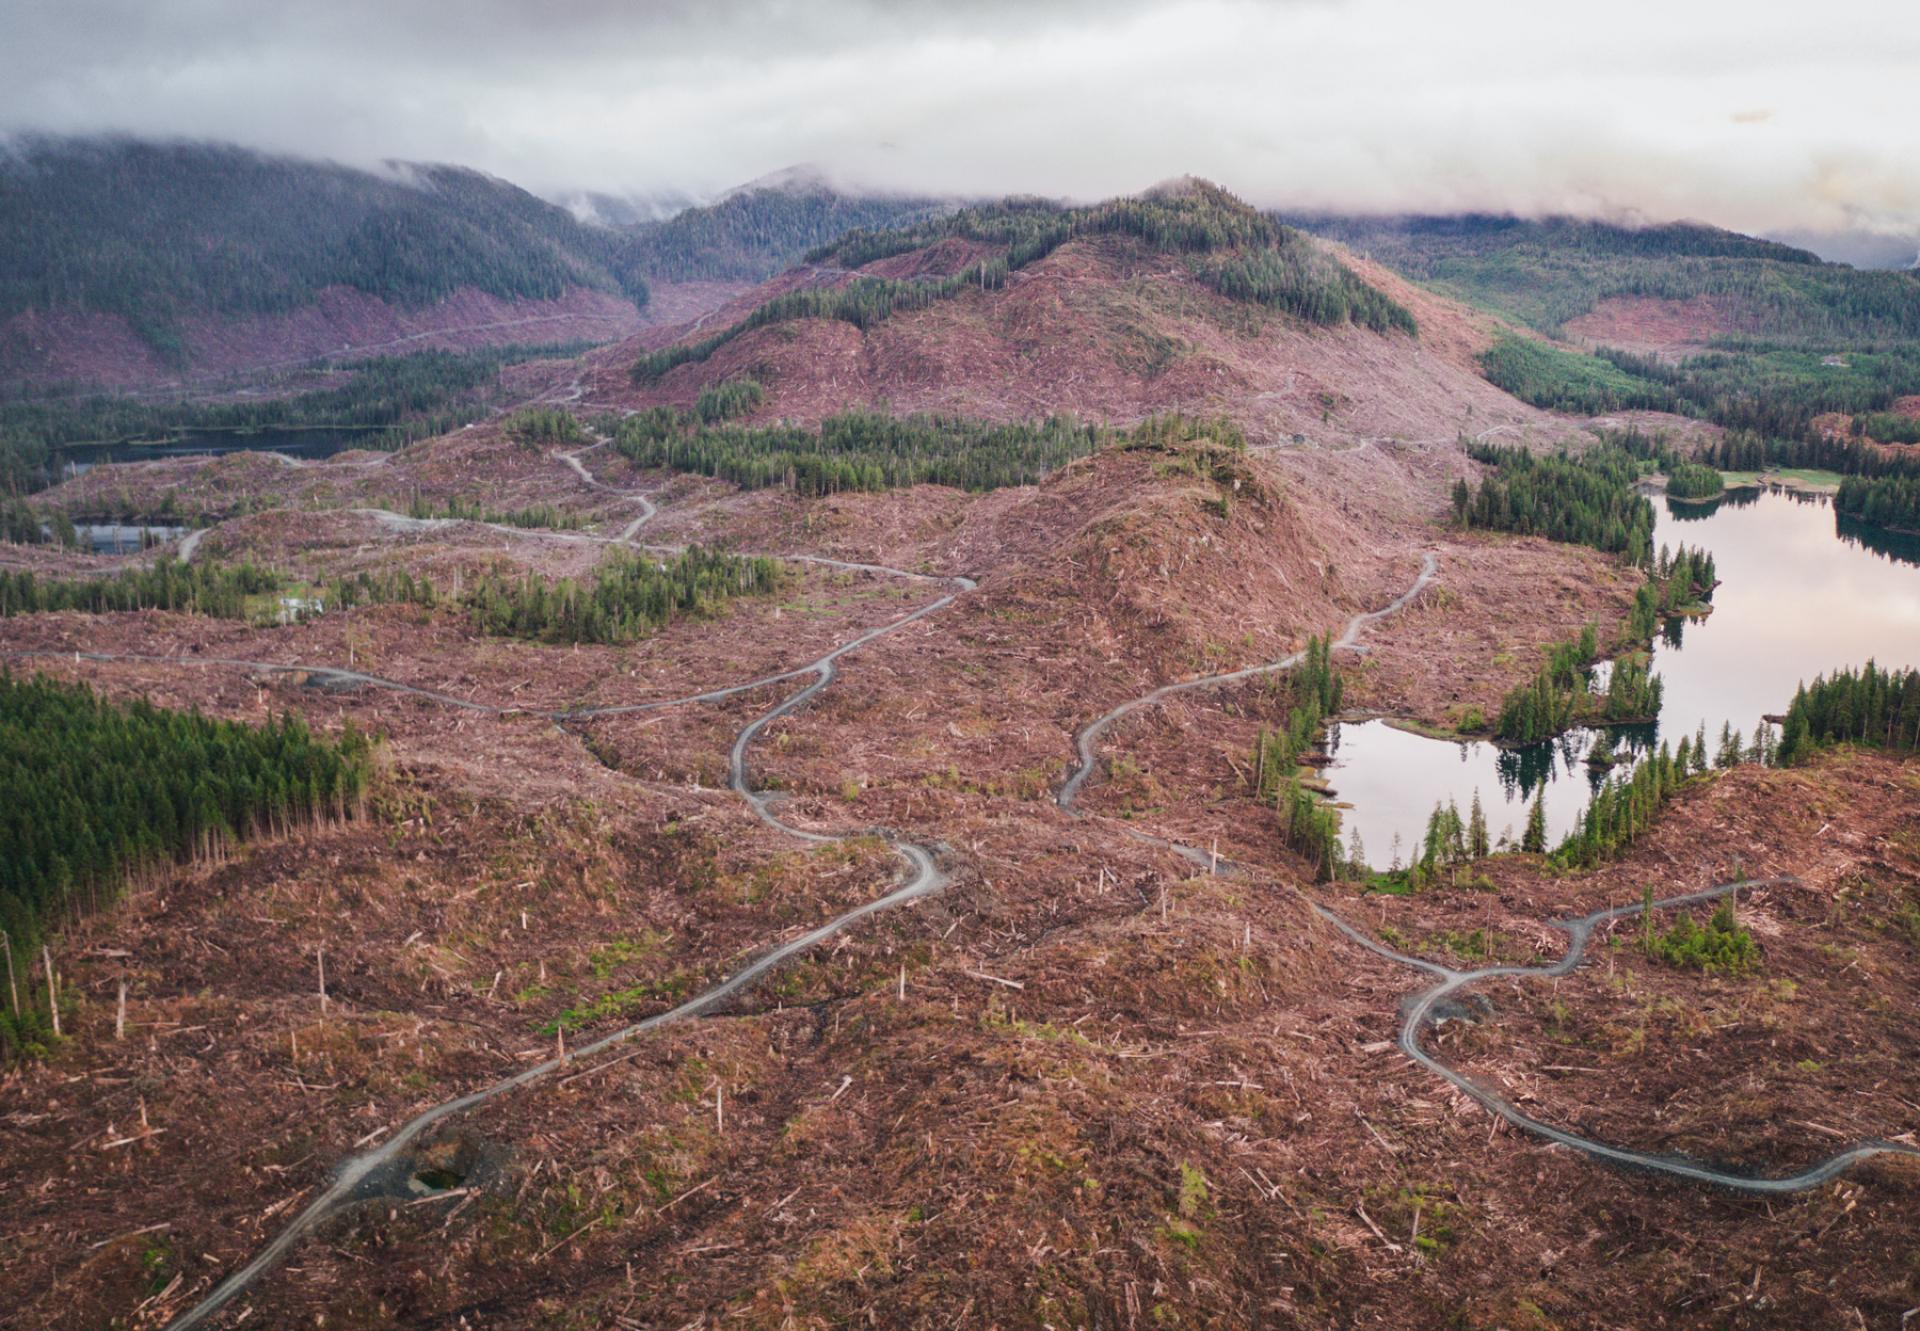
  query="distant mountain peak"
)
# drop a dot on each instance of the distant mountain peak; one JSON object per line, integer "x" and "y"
{"x": 800, "y": 178}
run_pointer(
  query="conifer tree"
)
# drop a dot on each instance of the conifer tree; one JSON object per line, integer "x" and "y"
{"x": 1534, "y": 839}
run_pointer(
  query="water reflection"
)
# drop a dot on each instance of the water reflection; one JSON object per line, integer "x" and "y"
{"x": 76, "y": 459}
{"x": 1802, "y": 593}
{"x": 1900, "y": 546}
{"x": 116, "y": 538}
{"x": 1699, "y": 511}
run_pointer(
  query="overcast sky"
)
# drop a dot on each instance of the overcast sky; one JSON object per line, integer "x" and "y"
{"x": 1760, "y": 115}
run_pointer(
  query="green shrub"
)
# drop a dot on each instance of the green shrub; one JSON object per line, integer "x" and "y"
{"x": 1723, "y": 944}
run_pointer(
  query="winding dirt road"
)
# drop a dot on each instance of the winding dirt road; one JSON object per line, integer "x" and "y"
{"x": 1420, "y": 1010}
{"x": 1088, "y": 737}
{"x": 370, "y": 1173}
{"x": 378, "y": 1170}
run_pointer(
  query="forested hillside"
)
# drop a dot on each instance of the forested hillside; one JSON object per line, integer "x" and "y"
{"x": 156, "y": 232}
{"x": 93, "y": 791}
{"x": 1546, "y": 272}
{"x": 755, "y": 232}
{"x": 1760, "y": 388}
{"x": 412, "y": 397}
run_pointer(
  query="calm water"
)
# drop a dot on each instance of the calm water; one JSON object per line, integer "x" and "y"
{"x": 1800, "y": 595}
{"x": 118, "y": 538}
{"x": 77, "y": 458}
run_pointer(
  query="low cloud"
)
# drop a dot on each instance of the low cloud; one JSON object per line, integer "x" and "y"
{"x": 1711, "y": 110}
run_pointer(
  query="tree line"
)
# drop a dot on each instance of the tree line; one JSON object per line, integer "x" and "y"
{"x": 1584, "y": 500}
{"x": 1271, "y": 264}
{"x": 543, "y": 516}
{"x": 544, "y": 425}
{"x": 1677, "y": 581}
{"x": 1686, "y": 478}
{"x": 1746, "y": 451}
{"x": 1622, "y": 809}
{"x": 94, "y": 792}
{"x": 1559, "y": 380}
{"x": 627, "y": 597}
{"x": 1693, "y": 480}
{"x": 1771, "y": 391}
{"x": 1561, "y": 694}
{"x": 858, "y": 450}
{"x": 1778, "y": 391}
{"x": 1888, "y": 501}
{"x": 1865, "y": 706}
{"x": 166, "y": 584}
{"x": 1307, "y": 823}
{"x": 1869, "y": 706}
{"x": 23, "y": 524}
{"x": 1887, "y": 427}
{"x": 723, "y": 401}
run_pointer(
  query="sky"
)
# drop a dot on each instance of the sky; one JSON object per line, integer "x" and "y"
{"x": 1756, "y": 114}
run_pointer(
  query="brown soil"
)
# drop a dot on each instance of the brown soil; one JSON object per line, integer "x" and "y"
{"x": 1079, "y": 1087}
{"x": 1658, "y": 326}
{"x": 1109, "y": 331}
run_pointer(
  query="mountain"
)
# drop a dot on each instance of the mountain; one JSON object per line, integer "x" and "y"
{"x": 1861, "y": 249}
{"x": 762, "y": 227}
{"x": 1181, "y": 299}
{"x": 1677, "y": 284}
{"x": 152, "y": 248}
{"x": 624, "y": 211}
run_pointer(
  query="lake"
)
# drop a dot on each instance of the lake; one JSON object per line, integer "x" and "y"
{"x": 309, "y": 444}
{"x": 1802, "y": 592}
{"x": 119, "y": 538}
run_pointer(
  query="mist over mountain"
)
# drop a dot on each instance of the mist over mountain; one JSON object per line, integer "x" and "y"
{"x": 1749, "y": 116}
{"x": 126, "y": 256}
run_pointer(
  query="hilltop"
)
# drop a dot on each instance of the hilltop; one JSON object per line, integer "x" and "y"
{"x": 1680, "y": 284}
{"x": 1176, "y": 300}
{"x": 753, "y": 232}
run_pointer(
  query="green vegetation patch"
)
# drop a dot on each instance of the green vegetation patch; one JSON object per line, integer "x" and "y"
{"x": 1865, "y": 706}
{"x": 1307, "y": 822}
{"x": 1545, "y": 272}
{"x": 544, "y": 425}
{"x": 1889, "y": 501}
{"x": 1722, "y": 944}
{"x": 1693, "y": 480}
{"x": 1571, "y": 381}
{"x": 628, "y": 597}
{"x": 1584, "y": 500}
{"x": 856, "y": 451}
{"x": 167, "y": 584}
{"x": 92, "y": 792}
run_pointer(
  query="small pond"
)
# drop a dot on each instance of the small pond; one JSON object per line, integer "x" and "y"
{"x": 120, "y": 538}
{"x": 1802, "y": 592}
